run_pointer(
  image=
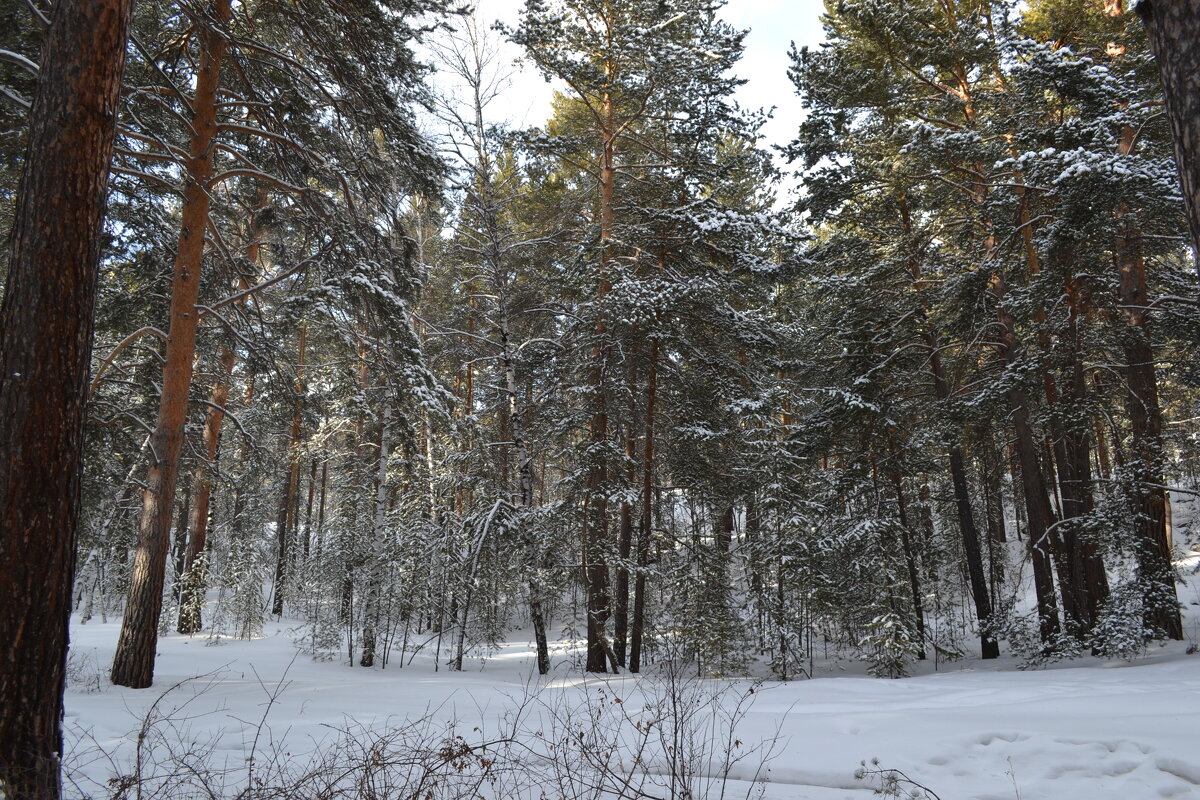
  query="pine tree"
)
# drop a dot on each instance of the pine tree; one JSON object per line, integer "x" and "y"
{"x": 1172, "y": 27}
{"x": 45, "y": 346}
{"x": 303, "y": 157}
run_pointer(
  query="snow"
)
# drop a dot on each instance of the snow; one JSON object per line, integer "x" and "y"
{"x": 1087, "y": 729}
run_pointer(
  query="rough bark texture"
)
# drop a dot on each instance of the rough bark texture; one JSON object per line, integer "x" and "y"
{"x": 1174, "y": 30}
{"x": 1148, "y": 497}
{"x": 45, "y": 349}
{"x": 133, "y": 664}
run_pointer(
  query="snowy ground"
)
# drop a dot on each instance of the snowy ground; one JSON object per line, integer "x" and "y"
{"x": 1088, "y": 730}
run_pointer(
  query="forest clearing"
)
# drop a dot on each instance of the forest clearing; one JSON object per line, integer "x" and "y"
{"x": 1112, "y": 730}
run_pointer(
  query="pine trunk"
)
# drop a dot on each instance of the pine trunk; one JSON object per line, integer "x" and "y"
{"x": 133, "y": 664}
{"x": 45, "y": 350}
{"x": 1148, "y": 497}
{"x": 1174, "y": 31}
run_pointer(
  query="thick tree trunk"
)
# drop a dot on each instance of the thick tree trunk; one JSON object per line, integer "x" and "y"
{"x": 45, "y": 350}
{"x": 1174, "y": 30}
{"x": 1148, "y": 497}
{"x": 195, "y": 566}
{"x": 133, "y": 664}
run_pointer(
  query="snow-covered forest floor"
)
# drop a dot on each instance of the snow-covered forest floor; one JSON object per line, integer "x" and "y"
{"x": 1084, "y": 729}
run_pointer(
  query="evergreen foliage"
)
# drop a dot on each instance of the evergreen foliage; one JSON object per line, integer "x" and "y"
{"x": 597, "y": 377}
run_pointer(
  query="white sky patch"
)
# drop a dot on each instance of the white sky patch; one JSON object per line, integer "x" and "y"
{"x": 773, "y": 25}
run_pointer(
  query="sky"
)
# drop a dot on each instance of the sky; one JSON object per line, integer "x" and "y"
{"x": 773, "y": 25}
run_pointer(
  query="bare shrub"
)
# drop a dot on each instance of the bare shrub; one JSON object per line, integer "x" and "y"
{"x": 670, "y": 736}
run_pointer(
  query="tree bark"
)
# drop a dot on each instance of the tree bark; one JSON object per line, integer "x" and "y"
{"x": 1173, "y": 27}
{"x": 45, "y": 349}
{"x": 1148, "y": 497}
{"x": 133, "y": 664}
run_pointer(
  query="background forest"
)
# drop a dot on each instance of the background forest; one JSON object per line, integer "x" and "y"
{"x": 370, "y": 363}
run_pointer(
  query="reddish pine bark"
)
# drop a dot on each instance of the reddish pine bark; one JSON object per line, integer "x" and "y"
{"x": 45, "y": 350}
{"x": 1147, "y": 495}
{"x": 133, "y": 664}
